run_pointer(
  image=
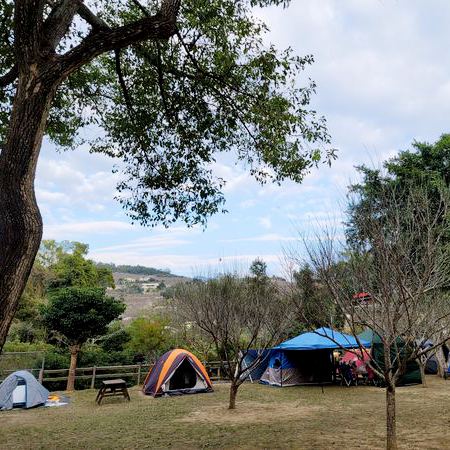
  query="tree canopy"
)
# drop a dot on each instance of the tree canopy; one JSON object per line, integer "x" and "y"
{"x": 81, "y": 313}
{"x": 77, "y": 314}
{"x": 166, "y": 87}
{"x": 426, "y": 165}
{"x": 166, "y": 107}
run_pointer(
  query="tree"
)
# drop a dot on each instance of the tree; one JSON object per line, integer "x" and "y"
{"x": 314, "y": 304}
{"x": 169, "y": 85}
{"x": 71, "y": 268}
{"x": 236, "y": 314}
{"x": 149, "y": 336}
{"x": 403, "y": 265}
{"x": 425, "y": 165}
{"x": 77, "y": 314}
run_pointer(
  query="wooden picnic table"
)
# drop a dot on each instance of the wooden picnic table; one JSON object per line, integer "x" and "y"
{"x": 112, "y": 388}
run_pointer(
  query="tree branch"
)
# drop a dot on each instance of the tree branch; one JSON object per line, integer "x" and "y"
{"x": 28, "y": 15}
{"x": 142, "y": 8}
{"x": 160, "y": 26}
{"x": 87, "y": 15}
{"x": 9, "y": 77}
{"x": 126, "y": 94}
{"x": 58, "y": 23}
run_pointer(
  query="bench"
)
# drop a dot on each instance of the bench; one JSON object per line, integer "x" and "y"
{"x": 112, "y": 388}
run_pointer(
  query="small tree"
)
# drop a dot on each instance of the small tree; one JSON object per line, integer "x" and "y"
{"x": 314, "y": 304}
{"x": 404, "y": 267}
{"x": 78, "y": 314}
{"x": 149, "y": 336}
{"x": 236, "y": 314}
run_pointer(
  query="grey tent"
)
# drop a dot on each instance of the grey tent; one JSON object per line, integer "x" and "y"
{"x": 22, "y": 389}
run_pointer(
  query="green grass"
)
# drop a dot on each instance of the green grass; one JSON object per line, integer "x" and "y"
{"x": 266, "y": 418}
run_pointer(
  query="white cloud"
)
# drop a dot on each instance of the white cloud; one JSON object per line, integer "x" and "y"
{"x": 263, "y": 238}
{"x": 68, "y": 230}
{"x": 140, "y": 246}
{"x": 57, "y": 198}
{"x": 265, "y": 222}
{"x": 247, "y": 204}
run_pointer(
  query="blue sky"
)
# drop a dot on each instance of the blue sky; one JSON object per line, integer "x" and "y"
{"x": 383, "y": 73}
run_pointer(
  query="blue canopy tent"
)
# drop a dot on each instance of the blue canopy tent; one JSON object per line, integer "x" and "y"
{"x": 255, "y": 372}
{"x": 307, "y": 358}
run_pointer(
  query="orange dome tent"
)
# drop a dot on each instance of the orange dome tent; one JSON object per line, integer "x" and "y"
{"x": 177, "y": 372}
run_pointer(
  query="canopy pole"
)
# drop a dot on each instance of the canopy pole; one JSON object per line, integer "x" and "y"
{"x": 282, "y": 354}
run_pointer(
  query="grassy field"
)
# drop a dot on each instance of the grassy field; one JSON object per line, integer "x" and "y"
{"x": 266, "y": 418}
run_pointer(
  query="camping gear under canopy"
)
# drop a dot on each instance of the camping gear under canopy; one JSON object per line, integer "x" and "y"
{"x": 358, "y": 358}
{"x": 177, "y": 372}
{"x": 296, "y": 367}
{"x": 307, "y": 358}
{"x": 412, "y": 371}
{"x": 21, "y": 389}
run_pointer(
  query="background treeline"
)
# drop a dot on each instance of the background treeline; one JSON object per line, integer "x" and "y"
{"x": 135, "y": 270}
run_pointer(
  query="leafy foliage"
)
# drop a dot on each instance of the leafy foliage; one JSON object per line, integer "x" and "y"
{"x": 315, "y": 305}
{"x": 80, "y": 313}
{"x": 427, "y": 166}
{"x": 73, "y": 269}
{"x": 149, "y": 336}
{"x": 166, "y": 109}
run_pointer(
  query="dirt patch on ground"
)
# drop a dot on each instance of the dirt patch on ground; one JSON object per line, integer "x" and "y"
{"x": 250, "y": 412}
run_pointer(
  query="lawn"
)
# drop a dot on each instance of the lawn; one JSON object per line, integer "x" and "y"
{"x": 266, "y": 417}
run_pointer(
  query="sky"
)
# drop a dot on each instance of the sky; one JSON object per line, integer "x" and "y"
{"x": 382, "y": 69}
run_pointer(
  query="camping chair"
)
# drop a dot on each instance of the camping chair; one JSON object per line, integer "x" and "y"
{"x": 370, "y": 378}
{"x": 347, "y": 375}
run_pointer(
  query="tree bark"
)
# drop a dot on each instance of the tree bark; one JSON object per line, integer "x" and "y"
{"x": 442, "y": 364}
{"x": 391, "y": 427}
{"x": 20, "y": 219}
{"x": 40, "y": 72}
{"x": 422, "y": 366}
{"x": 74, "y": 350}
{"x": 233, "y": 394}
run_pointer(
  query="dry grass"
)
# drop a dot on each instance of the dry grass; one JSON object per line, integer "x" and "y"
{"x": 266, "y": 418}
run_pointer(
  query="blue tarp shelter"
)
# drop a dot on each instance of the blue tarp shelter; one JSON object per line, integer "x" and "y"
{"x": 322, "y": 338}
{"x": 307, "y": 358}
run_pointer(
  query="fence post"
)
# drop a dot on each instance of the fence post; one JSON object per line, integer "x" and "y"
{"x": 41, "y": 371}
{"x": 139, "y": 375}
{"x": 93, "y": 377}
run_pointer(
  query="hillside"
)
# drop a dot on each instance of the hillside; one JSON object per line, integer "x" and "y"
{"x": 142, "y": 292}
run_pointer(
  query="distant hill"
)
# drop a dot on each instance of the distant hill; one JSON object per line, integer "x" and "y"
{"x": 136, "y": 270}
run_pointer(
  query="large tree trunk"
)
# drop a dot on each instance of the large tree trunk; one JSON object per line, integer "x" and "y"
{"x": 40, "y": 71}
{"x": 391, "y": 428}
{"x": 233, "y": 394}
{"x": 20, "y": 220}
{"x": 74, "y": 350}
